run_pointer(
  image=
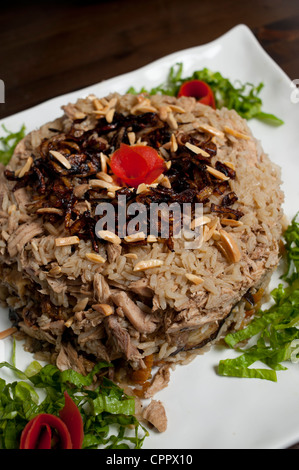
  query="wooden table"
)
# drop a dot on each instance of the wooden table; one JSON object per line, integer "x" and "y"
{"x": 53, "y": 48}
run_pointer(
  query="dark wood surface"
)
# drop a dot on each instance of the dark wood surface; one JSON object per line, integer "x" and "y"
{"x": 51, "y": 48}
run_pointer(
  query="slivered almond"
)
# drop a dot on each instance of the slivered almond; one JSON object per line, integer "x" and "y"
{"x": 165, "y": 182}
{"x": 26, "y": 167}
{"x": 65, "y": 241}
{"x": 81, "y": 305}
{"x": 173, "y": 143}
{"x": 239, "y": 135}
{"x": 8, "y": 332}
{"x": 61, "y": 158}
{"x": 198, "y": 221}
{"x": 103, "y": 159}
{"x": 230, "y": 165}
{"x": 69, "y": 322}
{"x": 132, "y": 137}
{"x": 211, "y": 130}
{"x": 101, "y": 175}
{"x": 218, "y": 174}
{"x": 135, "y": 237}
{"x": 210, "y": 229}
{"x": 106, "y": 309}
{"x": 197, "y": 150}
{"x": 109, "y": 237}
{"x": 95, "y": 258}
{"x": 193, "y": 278}
{"x": 109, "y": 115}
{"x": 148, "y": 264}
{"x": 131, "y": 256}
{"x": 168, "y": 164}
{"x": 176, "y": 109}
{"x": 49, "y": 210}
{"x": 97, "y": 104}
{"x": 171, "y": 121}
{"x": 151, "y": 239}
{"x": 99, "y": 184}
{"x": 141, "y": 188}
{"x": 230, "y": 246}
{"x": 231, "y": 222}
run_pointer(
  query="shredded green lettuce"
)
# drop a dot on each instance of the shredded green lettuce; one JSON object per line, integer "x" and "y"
{"x": 274, "y": 332}
{"x": 243, "y": 98}
{"x": 9, "y": 143}
{"x": 108, "y": 413}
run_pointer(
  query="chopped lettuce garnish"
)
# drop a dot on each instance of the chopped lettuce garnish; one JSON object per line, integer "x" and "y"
{"x": 108, "y": 413}
{"x": 274, "y": 331}
{"x": 243, "y": 98}
{"x": 9, "y": 143}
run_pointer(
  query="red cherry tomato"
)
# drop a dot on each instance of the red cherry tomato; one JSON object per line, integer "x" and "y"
{"x": 137, "y": 164}
{"x": 199, "y": 90}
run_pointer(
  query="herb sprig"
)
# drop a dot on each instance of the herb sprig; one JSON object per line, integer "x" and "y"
{"x": 9, "y": 143}
{"x": 243, "y": 98}
{"x": 274, "y": 331}
{"x": 105, "y": 408}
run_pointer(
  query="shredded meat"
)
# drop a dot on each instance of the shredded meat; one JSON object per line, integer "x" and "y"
{"x": 134, "y": 314}
{"x": 156, "y": 415}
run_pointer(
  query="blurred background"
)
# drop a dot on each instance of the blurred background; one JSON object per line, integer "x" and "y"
{"x": 50, "y": 48}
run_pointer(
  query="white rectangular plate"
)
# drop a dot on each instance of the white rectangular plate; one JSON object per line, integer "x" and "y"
{"x": 206, "y": 411}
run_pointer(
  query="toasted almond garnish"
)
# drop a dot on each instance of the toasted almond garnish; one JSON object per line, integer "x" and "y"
{"x": 217, "y": 174}
{"x": 106, "y": 309}
{"x": 69, "y": 322}
{"x": 142, "y": 188}
{"x": 104, "y": 159}
{"x": 230, "y": 246}
{"x": 176, "y": 109}
{"x": 81, "y": 305}
{"x": 8, "y": 332}
{"x": 99, "y": 184}
{"x": 193, "y": 278}
{"x": 135, "y": 237}
{"x": 239, "y": 135}
{"x": 173, "y": 143}
{"x": 95, "y": 258}
{"x": 109, "y": 237}
{"x": 131, "y": 256}
{"x": 101, "y": 175}
{"x": 171, "y": 121}
{"x": 168, "y": 164}
{"x": 97, "y": 104}
{"x": 148, "y": 264}
{"x": 132, "y": 138}
{"x": 198, "y": 221}
{"x": 61, "y": 158}
{"x": 165, "y": 182}
{"x": 151, "y": 239}
{"x": 109, "y": 115}
{"x": 210, "y": 229}
{"x": 49, "y": 210}
{"x": 65, "y": 241}
{"x": 26, "y": 167}
{"x": 230, "y": 165}
{"x": 211, "y": 130}
{"x": 163, "y": 112}
{"x": 197, "y": 150}
{"x": 231, "y": 222}
{"x": 12, "y": 208}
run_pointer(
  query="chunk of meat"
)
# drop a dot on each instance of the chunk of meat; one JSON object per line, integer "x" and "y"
{"x": 141, "y": 288}
{"x": 101, "y": 288}
{"x": 68, "y": 358}
{"x": 24, "y": 234}
{"x": 156, "y": 415}
{"x": 113, "y": 252}
{"x": 140, "y": 320}
{"x": 160, "y": 381}
{"x": 120, "y": 339}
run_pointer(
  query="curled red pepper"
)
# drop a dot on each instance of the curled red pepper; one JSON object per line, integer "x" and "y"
{"x": 46, "y": 430}
{"x": 137, "y": 164}
{"x": 199, "y": 90}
